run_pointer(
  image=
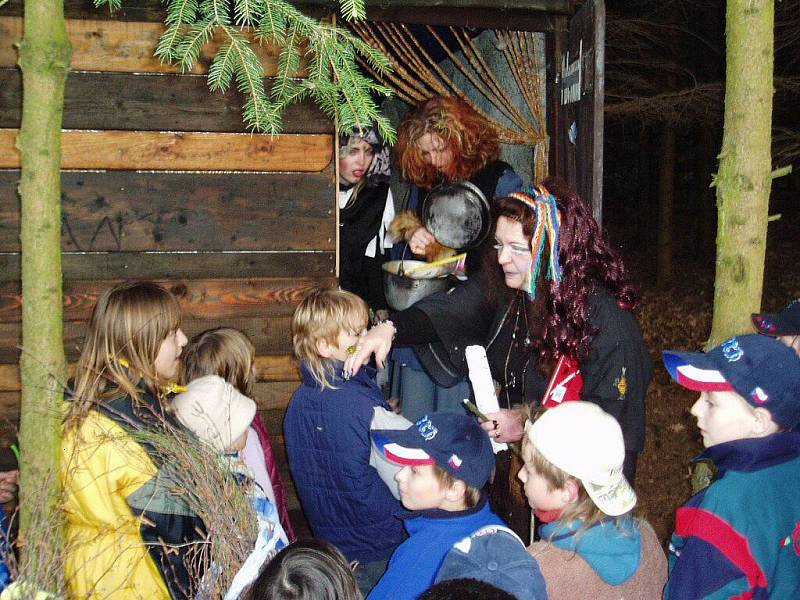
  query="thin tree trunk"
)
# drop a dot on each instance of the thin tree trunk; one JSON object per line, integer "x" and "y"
{"x": 640, "y": 212}
{"x": 666, "y": 196}
{"x": 44, "y": 59}
{"x": 744, "y": 182}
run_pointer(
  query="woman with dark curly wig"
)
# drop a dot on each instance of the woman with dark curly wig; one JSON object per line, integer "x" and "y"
{"x": 554, "y": 313}
{"x": 442, "y": 139}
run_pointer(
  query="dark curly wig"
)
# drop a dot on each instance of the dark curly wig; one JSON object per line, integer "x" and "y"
{"x": 587, "y": 260}
{"x": 470, "y": 137}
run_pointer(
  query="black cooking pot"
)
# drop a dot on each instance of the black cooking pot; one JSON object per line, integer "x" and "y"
{"x": 457, "y": 214}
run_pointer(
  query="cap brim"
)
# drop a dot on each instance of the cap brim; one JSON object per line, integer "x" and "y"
{"x": 613, "y": 499}
{"x": 765, "y": 323}
{"x": 774, "y": 324}
{"x": 694, "y": 371}
{"x": 399, "y": 454}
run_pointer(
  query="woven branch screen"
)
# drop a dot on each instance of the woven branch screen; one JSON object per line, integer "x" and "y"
{"x": 416, "y": 76}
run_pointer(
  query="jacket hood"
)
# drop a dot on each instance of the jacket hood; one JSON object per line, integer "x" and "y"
{"x": 612, "y": 549}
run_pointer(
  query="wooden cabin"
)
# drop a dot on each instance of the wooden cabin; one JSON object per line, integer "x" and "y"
{"x": 162, "y": 181}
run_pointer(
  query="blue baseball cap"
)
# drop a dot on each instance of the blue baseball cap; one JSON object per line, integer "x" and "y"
{"x": 762, "y": 370}
{"x": 785, "y": 322}
{"x": 496, "y": 555}
{"x": 455, "y": 442}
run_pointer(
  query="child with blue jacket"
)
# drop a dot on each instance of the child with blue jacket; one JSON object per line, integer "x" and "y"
{"x": 740, "y": 536}
{"x": 447, "y": 459}
{"x": 327, "y": 437}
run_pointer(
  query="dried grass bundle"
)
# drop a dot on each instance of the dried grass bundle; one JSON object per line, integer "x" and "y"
{"x": 193, "y": 473}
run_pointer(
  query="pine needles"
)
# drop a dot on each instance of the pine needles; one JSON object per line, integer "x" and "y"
{"x": 328, "y": 55}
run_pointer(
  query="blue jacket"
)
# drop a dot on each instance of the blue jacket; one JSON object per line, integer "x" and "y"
{"x": 416, "y": 561}
{"x": 5, "y": 574}
{"x": 740, "y": 537}
{"x": 328, "y": 443}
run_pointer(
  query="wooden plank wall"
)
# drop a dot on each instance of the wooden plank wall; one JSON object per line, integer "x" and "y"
{"x": 162, "y": 181}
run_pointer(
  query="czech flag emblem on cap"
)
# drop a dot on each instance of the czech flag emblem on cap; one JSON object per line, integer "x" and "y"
{"x": 759, "y": 396}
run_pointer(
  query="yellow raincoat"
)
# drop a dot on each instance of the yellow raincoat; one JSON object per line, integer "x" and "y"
{"x": 103, "y": 468}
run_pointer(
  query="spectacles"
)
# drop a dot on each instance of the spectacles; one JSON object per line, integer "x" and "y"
{"x": 516, "y": 249}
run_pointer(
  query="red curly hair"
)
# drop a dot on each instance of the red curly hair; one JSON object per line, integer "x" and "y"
{"x": 469, "y": 136}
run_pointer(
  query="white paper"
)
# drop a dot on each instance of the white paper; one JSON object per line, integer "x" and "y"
{"x": 483, "y": 386}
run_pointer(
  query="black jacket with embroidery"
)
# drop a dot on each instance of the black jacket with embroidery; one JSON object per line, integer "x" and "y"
{"x": 616, "y": 373}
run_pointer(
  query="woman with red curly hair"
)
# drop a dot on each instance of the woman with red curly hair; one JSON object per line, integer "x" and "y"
{"x": 445, "y": 139}
{"x": 554, "y": 313}
{"x": 442, "y": 139}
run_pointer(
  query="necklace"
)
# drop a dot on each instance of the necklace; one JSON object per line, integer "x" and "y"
{"x": 510, "y": 380}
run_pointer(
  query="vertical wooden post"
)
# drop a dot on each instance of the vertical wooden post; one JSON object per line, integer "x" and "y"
{"x": 744, "y": 178}
{"x": 44, "y": 55}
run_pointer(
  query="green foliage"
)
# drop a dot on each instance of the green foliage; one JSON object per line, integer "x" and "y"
{"x": 331, "y": 54}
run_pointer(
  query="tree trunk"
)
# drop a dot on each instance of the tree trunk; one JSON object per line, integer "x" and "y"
{"x": 743, "y": 181}
{"x": 641, "y": 211}
{"x": 666, "y": 196}
{"x": 44, "y": 58}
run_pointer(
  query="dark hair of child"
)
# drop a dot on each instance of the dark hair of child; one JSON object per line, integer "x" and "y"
{"x": 465, "y": 589}
{"x": 306, "y": 570}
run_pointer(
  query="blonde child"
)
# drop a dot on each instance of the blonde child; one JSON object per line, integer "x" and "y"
{"x": 573, "y": 479}
{"x": 230, "y": 354}
{"x": 126, "y": 534}
{"x": 327, "y": 436}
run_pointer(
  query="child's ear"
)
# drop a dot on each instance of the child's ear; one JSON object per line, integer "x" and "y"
{"x": 323, "y": 348}
{"x": 763, "y": 425}
{"x": 457, "y": 491}
{"x": 570, "y": 491}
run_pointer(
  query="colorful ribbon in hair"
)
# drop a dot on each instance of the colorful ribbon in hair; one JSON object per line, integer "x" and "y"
{"x": 543, "y": 204}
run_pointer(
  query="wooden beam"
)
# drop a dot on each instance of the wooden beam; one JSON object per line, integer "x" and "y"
{"x": 268, "y": 369}
{"x": 513, "y": 19}
{"x": 130, "y": 10}
{"x": 165, "y": 265}
{"x": 144, "y": 102}
{"x": 125, "y": 46}
{"x": 274, "y": 395}
{"x": 540, "y": 6}
{"x": 188, "y": 151}
{"x": 199, "y": 299}
{"x": 125, "y": 211}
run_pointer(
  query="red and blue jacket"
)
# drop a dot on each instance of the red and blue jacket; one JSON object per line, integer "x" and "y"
{"x": 740, "y": 537}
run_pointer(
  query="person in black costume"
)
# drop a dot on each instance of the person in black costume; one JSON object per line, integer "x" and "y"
{"x": 442, "y": 139}
{"x": 365, "y": 210}
{"x": 554, "y": 309}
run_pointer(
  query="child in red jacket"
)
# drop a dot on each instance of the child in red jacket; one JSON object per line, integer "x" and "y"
{"x": 229, "y": 353}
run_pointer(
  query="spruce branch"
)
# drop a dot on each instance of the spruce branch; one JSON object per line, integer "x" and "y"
{"x": 352, "y": 10}
{"x": 288, "y": 64}
{"x": 112, "y": 4}
{"x": 181, "y": 11}
{"x": 247, "y": 13}
{"x": 333, "y": 79}
{"x": 221, "y": 70}
{"x": 171, "y": 39}
{"x": 188, "y": 50}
